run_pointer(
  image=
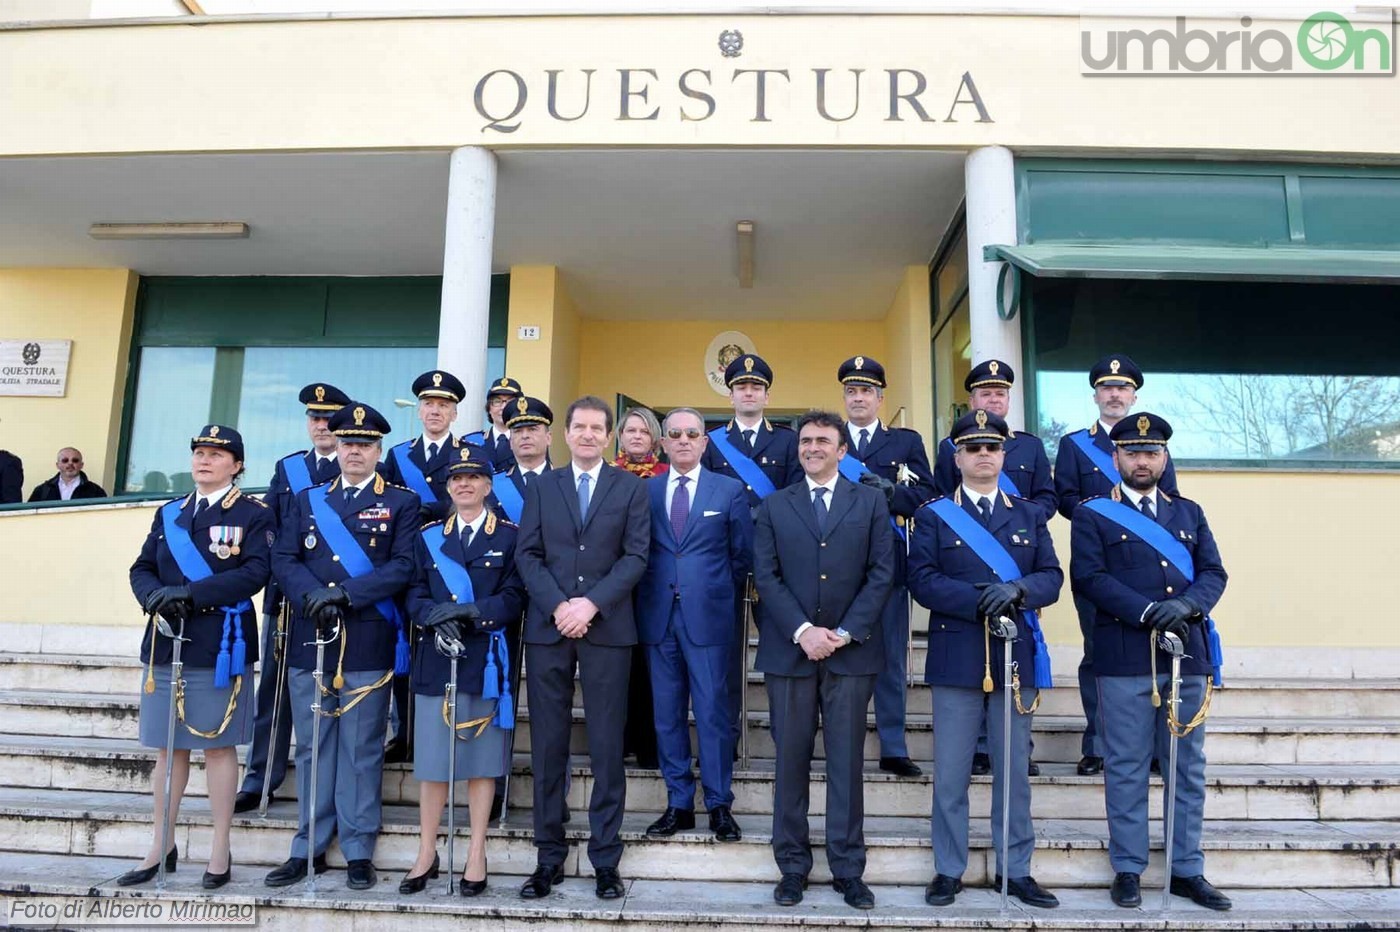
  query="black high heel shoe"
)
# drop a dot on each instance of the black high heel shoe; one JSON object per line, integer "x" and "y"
{"x": 215, "y": 881}
{"x": 145, "y": 874}
{"x": 473, "y": 887}
{"x": 416, "y": 884}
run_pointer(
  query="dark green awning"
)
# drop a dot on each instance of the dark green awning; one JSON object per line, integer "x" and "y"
{"x": 1203, "y": 263}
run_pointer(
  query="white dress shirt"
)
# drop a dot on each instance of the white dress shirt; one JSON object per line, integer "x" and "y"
{"x": 66, "y": 487}
{"x": 972, "y": 496}
{"x": 673, "y": 481}
{"x": 872, "y": 429}
{"x": 812, "y": 486}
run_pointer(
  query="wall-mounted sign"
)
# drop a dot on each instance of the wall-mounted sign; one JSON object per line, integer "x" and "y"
{"x": 34, "y": 367}
{"x": 724, "y": 349}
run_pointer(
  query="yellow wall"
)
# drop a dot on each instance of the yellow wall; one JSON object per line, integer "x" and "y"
{"x": 93, "y": 308}
{"x": 547, "y": 367}
{"x": 908, "y": 362}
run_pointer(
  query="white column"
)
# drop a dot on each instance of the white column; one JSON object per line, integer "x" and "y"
{"x": 991, "y": 219}
{"x": 466, "y": 271}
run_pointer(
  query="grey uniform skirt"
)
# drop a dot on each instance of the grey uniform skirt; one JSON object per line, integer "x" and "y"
{"x": 204, "y": 709}
{"x": 481, "y": 755}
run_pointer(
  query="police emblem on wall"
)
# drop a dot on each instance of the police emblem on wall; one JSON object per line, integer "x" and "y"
{"x": 731, "y": 43}
{"x": 34, "y": 367}
{"x": 30, "y": 354}
{"x": 724, "y": 349}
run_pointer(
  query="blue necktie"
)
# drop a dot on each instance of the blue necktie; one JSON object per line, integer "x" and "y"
{"x": 680, "y": 507}
{"x": 199, "y": 507}
{"x": 864, "y": 439}
{"x": 583, "y": 496}
{"x": 984, "y": 508}
{"x": 1145, "y": 506}
{"x": 350, "y": 494}
{"x": 819, "y": 506}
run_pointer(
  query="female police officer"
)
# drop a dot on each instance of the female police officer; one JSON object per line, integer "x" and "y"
{"x": 207, "y": 554}
{"x": 465, "y": 590}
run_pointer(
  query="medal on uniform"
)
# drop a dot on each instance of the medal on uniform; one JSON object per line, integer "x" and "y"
{"x": 218, "y": 545}
{"x": 309, "y": 541}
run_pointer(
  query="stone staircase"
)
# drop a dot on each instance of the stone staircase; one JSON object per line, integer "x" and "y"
{"x": 1303, "y": 817}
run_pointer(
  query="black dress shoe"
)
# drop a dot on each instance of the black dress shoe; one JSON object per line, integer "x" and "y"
{"x": 672, "y": 820}
{"x": 1089, "y": 765}
{"x": 1201, "y": 892}
{"x": 568, "y": 814}
{"x": 788, "y": 892}
{"x": 1033, "y": 769}
{"x": 1028, "y": 891}
{"x": 417, "y": 884}
{"x": 981, "y": 764}
{"x": 362, "y": 874}
{"x": 900, "y": 767}
{"x": 293, "y": 870}
{"x": 608, "y": 884}
{"x": 472, "y": 887}
{"x": 941, "y": 890}
{"x": 498, "y": 805}
{"x": 539, "y": 883}
{"x": 247, "y": 802}
{"x": 723, "y": 825}
{"x": 1125, "y": 890}
{"x": 855, "y": 892}
{"x": 145, "y": 874}
{"x": 215, "y": 881}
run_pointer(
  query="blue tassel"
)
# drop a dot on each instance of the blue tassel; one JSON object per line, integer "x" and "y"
{"x": 400, "y": 655}
{"x": 1043, "y": 677}
{"x": 1217, "y": 655}
{"x": 240, "y": 649}
{"x": 221, "y": 663}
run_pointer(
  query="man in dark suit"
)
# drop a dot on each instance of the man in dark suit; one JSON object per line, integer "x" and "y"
{"x": 582, "y": 548}
{"x": 1147, "y": 563}
{"x": 892, "y": 460}
{"x": 701, "y": 556}
{"x": 1084, "y": 468}
{"x": 823, "y": 568}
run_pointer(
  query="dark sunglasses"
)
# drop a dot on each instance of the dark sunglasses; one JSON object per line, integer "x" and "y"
{"x": 66, "y": 460}
{"x": 982, "y": 447}
{"x": 675, "y": 433}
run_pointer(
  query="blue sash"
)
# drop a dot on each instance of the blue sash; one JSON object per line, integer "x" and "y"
{"x": 192, "y": 565}
{"x": 853, "y": 469}
{"x": 1003, "y": 480}
{"x": 991, "y": 552}
{"x": 1080, "y": 438}
{"x": 754, "y": 477}
{"x": 494, "y": 684}
{"x": 342, "y": 543}
{"x": 508, "y": 495}
{"x": 298, "y": 476}
{"x": 476, "y": 438}
{"x": 1170, "y": 549}
{"x": 412, "y": 476}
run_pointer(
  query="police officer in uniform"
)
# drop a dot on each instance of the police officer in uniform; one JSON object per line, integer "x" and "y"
{"x": 892, "y": 460}
{"x": 1025, "y": 473}
{"x": 205, "y": 558}
{"x": 771, "y": 452}
{"x": 981, "y": 553}
{"x": 1146, "y": 561}
{"x": 1083, "y": 469}
{"x": 345, "y": 557}
{"x": 496, "y": 437}
{"x": 292, "y": 474}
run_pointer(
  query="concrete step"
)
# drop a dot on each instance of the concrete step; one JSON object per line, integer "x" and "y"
{"x": 53, "y": 881}
{"x": 1248, "y": 791}
{"x": 1070, "y": 852}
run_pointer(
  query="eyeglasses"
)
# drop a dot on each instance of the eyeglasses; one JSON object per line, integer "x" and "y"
{"x": 675, "y": 433}
{"x": 65, "y": 459}
{"x": 982, "y": 447}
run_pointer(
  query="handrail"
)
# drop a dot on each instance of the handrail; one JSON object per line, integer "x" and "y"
{"x": 111, "y": 501}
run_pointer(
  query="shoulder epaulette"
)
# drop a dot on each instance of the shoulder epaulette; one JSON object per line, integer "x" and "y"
{"x": 424, "y": 527}
{"x": 256, "y": 501}
{"x": 297, "y": 453}
{"x": 379, "y": 484}
{"x": 401, "y": 488}
{"x": 930, "y": 501}
{"x": 234, "y": 495}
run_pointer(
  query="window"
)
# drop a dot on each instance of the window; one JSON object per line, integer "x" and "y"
{"x": 1248, "y": 373}
{"x": 172, "y": 400}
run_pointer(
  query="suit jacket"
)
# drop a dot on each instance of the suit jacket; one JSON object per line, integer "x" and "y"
{"x": 383, "y": 521}
{"x": 562, "y": 556}
{"x": 1026, "y": 464}
{"x": 704, "y": 571}
{"x": 943, "y": 576}
{"x": 774, "y": 450}
{"x": 837, "y": 578}
{"x": 1121, "y": 574}
{"x": 11, "y": 478}
{"x": 236, "y": 578}
{"x": 1077, "y": 478}
{"x": 500, "y": 595}
{"x": 49, "y": 492}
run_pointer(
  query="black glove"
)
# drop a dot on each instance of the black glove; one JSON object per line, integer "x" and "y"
{"x": 1169, "y": 610}
{"x": 1174, "y": 626}
{"x": 880, "y": 483}
{"x": 440, "y": 615}
{"x": 450, "y": 629}
{"x": 998, "y": 598}
{"x": 326, "y": 619}
{"x": 173, "y": 603}
{"x": 324, "y": 597}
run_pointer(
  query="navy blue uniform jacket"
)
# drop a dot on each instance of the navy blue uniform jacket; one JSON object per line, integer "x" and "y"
{"x": 383, "y": 520}
{"x": 943, "y": 576}
{"x": 1077, "y": 478}
{"x": 237, "y": 578}
{"x": 702, "y": 573}
{"x": 1121, "y": 574}
{"x": 279, "y": 498}
{"x": 839, "y": 578}
{"x": 1026, "y": 464}
{"x": 602, "y": 559}
{"x": 434, "y": 470}
{"x": 500, "y": 597}
{"x": 774, "y": 450}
